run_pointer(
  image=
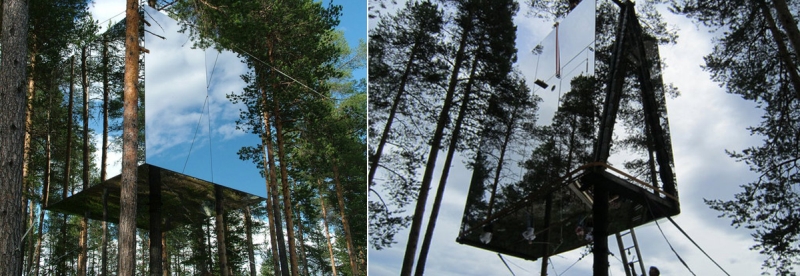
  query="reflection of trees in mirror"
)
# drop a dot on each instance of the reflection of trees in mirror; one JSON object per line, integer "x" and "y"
{"x": 633, "y": 141}
{"x": 504, "y": 128}
{"x": 563, "y": 146}
{"x": 569, "y": 141}
{"x": 404, "y": 74}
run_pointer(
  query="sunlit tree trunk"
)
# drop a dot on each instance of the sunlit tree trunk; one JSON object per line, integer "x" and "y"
{"x": 273, "y": 182}
{"x": 248, "y": 228}
{"x": 287, "y": 202}
{"x": 27, "y": 149}
{"x": 325, "y": 226}
{"x": 130, "y": 135}
{"x": 45, "y": 190}
{"x": 62, "y": 247}
{"x": 302, "y": 244}
{"x": 351, "y": 252}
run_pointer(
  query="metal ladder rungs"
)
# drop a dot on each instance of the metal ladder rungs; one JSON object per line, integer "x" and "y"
{"x": 630, "y": 269}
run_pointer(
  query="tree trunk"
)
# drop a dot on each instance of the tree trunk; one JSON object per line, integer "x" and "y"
{"x": 200, "y": 254}
{"x": 45, "y": 189}
{"x": 499, "y": 169}
{"x": 302, "y": 247}
{"x": 789, "y": 25}
{"x": 287, "y": 202}
{"x": 325, "y": 225}
{"x": 351, "y": 251}
{"x": 130, "y": 135}
{"x": 209, "y": 247}
{"x": 783, "y": 52}
{"x": 248, "y": 228}
{"x": 422, "y": 198}
{"x": 271, "y": 219}
{"x": 273, "y": 189}
{"x": 437, "y": 202}
{"x": 375, "y": 159}
{"x": 103, "y": 159}
{"x": 84, "y": 234}
{"x": 27, "y": 148}
{"x": 155, "y": 221}
{"x": 62, "y": 247}
{"x": 29, "y": 242}
{"x": 220, "y": 226}
{"x": 12, "y": 131}
{"x": 165, "y": 253}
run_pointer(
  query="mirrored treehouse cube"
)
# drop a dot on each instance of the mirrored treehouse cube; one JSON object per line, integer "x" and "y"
{"x": 178, "y": 175}
{"x": 602, "y": 120}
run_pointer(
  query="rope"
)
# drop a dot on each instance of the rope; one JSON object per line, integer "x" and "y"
{"x": 520, "y": 267}
{"x": 504, "y": 262}
{"x": 208, "y": 85}
{"x": 210, "y": 147}
{"x": 573, "y": 264}
{"x": 665, "y": 238}
{"x": 698, "y": 246}
{"x": 268, "y": 65}
{"x": 197, "y": 127}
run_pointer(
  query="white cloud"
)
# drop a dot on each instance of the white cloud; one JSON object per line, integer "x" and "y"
{"x": 176, "y": 79}
{"x": 113, "y": 158}
{"x": 107, "y": 11}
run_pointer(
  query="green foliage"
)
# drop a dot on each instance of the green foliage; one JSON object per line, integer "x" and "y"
{"x": 746, "y": 60}
{"x": 301, "y": 80}
{"x": 404, "y": 70}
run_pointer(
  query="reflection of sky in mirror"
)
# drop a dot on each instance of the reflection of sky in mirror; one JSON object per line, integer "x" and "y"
{"x": 190, "y": 124}
{"x": 576, "y": 35}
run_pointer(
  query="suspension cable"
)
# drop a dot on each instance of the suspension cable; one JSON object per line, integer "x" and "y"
{"x": 698, "y": 246}
{"x": 647, "y": 201}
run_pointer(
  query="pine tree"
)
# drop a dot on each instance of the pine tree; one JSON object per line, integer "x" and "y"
{"x": 127, "y": 227}
{"x": 757, "y": 58}
{"x": 13, "y": 38}
{"x": 402, "y": 69}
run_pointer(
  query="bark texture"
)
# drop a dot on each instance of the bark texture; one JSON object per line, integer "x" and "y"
{"x": 84, "y": 234}
{"x": 130, "y": 143}
{"x": 12, "y": 131}
{"x": 351, "y": 252}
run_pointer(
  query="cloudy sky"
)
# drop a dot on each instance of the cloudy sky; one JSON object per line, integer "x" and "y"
{"x": 704, "y": 122}
{"x": 178, "y": 103}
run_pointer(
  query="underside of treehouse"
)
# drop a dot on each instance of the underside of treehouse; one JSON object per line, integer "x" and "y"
{"x": 561, "y": 214}
{"x": 183, "y": 199}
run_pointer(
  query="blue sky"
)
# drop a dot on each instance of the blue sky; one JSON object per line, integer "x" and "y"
{"x": 176, "y": 94}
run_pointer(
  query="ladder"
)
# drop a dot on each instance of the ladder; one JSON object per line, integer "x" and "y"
{"x": 630, "y": 268}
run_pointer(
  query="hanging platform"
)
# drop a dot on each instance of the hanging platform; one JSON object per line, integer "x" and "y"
{"x": 632, "y": 203}
{"x": 184, "y": 199}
